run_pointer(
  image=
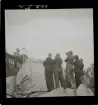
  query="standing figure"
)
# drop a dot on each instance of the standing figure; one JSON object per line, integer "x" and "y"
{"x": 82, "y": 64}
{"x": 70, "y": 80}
{"x": 24, "y": 55}
{"x": 58, "y": 72}
{"x": 18, "y": 64}
{"x": 48, "y": 64}
{"x": 92, "y": 68}
{"x": 78, "y": 71}
{"x": 16, "y": 54}
{"x": 91, "y": 82}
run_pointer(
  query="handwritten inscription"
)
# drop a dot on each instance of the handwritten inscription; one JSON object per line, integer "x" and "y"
{"x": 32, "y": 6}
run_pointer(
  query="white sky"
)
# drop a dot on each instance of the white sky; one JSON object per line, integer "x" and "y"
{"x": 51, "y": 30}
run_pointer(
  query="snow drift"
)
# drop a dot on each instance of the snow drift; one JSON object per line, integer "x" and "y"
{"x": 34, "y": 72}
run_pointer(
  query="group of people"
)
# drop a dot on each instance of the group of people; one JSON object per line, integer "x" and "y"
{"x": 54, "y": 72}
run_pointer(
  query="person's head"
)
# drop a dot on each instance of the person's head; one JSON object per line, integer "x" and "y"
{"x": 69, "y": 53}
{"x": 18, "y": 50}
{"x": 57, "y": 55}
{"x": 49, "y": 55}
{"x": 81, "y": 59}
{"x": 76, "y": 57}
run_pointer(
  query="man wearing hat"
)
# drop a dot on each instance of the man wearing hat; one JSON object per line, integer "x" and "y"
{"x": 78, "y": 71}
{"x": 70, "y": 80}
{"x": 16, "y": 54}
{"x": 49, "y": 67}
{"x": 58, "y": 72}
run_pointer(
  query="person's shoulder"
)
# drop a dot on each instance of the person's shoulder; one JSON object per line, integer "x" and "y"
{"x": 44, "y": 61}
{"x": 46, "y": 58}
{"x": 52, "y": 59}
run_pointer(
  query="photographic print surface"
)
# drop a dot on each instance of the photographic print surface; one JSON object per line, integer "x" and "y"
{"x": 49, "y": 53}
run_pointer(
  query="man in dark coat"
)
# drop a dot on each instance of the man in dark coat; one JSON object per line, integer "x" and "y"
{"x": 82, "y": 64}
{"x": 48, "y": 64}
{"x": 58, "y": 72}
{"x": 78, "y": 71}
{"x": 16, "y": 54}
{"x": 70, "y": 80}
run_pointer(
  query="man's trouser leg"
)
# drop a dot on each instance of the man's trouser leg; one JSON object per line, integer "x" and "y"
{"x": 78, "y": 79}
{"x": 72, "y": 80}
{"x": 49, "y": 80}
{"x": 67, "y": 80}
{"x": 56, "y": 75}
{"x": 61, "y": 77}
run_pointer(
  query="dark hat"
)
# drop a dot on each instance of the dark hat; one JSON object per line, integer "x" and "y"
{"x": 66, "y": 53}
{"x": 81, "y": 59}
{"x": 18, "y": 49}
{"x": 49, "y": 54}
{"x": 69, "y": 52}
{"x": 57, "y": 54}
{"x": 76, "y": 56}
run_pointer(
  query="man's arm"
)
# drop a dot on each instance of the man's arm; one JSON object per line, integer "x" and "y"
{"x": 74, "y": 62}
{"x": 66, "y": 60}
{"x": 61, "y": 61}
{"x": 82, "y": 66}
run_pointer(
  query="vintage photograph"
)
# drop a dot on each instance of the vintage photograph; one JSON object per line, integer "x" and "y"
{"x": 49, "y": 53}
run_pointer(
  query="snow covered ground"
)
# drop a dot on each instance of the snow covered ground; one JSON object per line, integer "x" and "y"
{"x": 35, "y": 71}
